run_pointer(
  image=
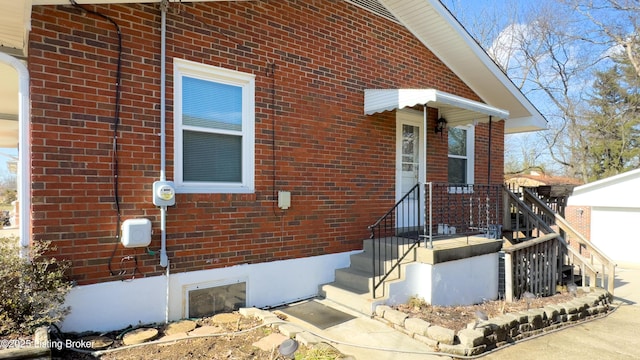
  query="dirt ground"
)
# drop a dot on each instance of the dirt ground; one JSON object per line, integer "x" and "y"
{"x": 236, "y": 339}
{"x": 458, "y": 317}
{"x": 224, "y": 346}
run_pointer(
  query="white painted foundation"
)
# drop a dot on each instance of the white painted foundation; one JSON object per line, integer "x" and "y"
{"x": 118, "y": 304}
{"x": 460, "y": 282}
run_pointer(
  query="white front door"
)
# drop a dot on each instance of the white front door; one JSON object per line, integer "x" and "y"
{"x": 410, "y": 166}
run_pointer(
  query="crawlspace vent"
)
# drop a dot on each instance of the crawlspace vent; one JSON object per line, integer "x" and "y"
{"x": 206, "y": 301}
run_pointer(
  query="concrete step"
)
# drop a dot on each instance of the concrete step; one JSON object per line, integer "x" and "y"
{"x": 390, "y": 247}
{"x": 355, "y": 279}
{"x": 353, "y": 286}
{"x": 364, "y": 262}
{"x": 354, "y": 299}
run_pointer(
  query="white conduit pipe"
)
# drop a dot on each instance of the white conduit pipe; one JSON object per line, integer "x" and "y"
{"x": 163, "y": 177}
{"x": 164, "y": 259}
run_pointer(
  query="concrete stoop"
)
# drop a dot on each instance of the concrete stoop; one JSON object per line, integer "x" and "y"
{"x": 353, "y": 286}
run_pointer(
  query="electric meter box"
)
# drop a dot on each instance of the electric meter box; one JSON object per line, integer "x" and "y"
{"x": 164, "y": 193}
{"x": 136, "y": 233}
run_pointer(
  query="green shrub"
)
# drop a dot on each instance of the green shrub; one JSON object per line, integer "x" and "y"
{"x": 31, "y": 292}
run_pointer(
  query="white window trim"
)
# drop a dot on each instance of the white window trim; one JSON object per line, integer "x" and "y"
{"x": 471, "y": 135}
{"x": 246, "y": 81}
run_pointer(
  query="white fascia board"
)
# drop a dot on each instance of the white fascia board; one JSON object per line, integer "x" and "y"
{"x": 525, "y": 124}
{"x": 97, "y": 2}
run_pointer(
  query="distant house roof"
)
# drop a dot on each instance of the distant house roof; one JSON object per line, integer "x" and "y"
{"x": 537, "y": 179}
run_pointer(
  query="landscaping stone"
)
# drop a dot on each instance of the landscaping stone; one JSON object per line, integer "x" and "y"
{"x": 570, "y": 308}
{"x": 226, "y": 318}
{"x": 395, "y": 316}
{"x": 308, "y": 339}
{"x": 252, "y": 312}
{"x": 498, "y": 331}
{"x": 476, "y": 350}
{"x": 427, "y": 340}
{"x": 289, "y": 331}
{"x": 441, "y": 335}
{"x": 139, "y": 336}
{"x": 206, "y": 330}
{"x": 173, "y": 337}
{"x": 98, "y": 342}
{"x": 416, "y": 326}
{"x": 534, "y": 318}
{"x": 381, "y": 309}
{"x": 470, "y": 338}
{"x": 453, "y": 349}
{"x": 573, "y": 317}
{"x": 269, "y": 342}
{"x": 550, "y": 313}
{"x": 182, "y": 326}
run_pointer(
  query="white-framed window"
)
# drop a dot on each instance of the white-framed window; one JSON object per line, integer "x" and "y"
{"x": 214, "y": 129}
{"x": 461, "y": 150}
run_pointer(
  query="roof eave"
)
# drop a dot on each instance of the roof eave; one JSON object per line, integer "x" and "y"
{"x": 443, "y": 35}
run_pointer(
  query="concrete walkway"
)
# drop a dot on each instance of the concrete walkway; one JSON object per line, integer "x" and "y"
{"x": 364, "y": 338}
{"x": 614, "y": 337}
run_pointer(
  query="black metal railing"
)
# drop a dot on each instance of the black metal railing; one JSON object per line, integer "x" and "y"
{"x": 451, "y": 210}
{"x": 394, "y": 236}
{"x": 465, "y": 209}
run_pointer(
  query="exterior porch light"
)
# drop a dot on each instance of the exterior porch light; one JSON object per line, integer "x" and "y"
{"x": 440, "y": 125}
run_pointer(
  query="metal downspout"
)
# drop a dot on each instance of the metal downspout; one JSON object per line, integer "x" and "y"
{"x": 164, "y": 259}
{"x": 489, "y": 159}
{"x": 426, "y": 204}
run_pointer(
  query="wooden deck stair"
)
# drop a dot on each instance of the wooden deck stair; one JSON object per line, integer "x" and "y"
{"x": 537, "y": 221}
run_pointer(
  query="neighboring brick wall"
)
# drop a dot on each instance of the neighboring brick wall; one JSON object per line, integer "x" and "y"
{"x": 580, "y": 219}
{"x": 338, "y": 163}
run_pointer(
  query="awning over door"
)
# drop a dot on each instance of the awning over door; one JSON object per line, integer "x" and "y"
{"x": 457, "y": 110}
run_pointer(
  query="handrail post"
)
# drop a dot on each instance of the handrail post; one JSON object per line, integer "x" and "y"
{"x": 508, "y": 277}
{"x": 430, "y": 245}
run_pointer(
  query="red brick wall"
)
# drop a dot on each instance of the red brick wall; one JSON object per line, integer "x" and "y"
{"x": 580, "y": 219}
{"x": 338, "y": 163}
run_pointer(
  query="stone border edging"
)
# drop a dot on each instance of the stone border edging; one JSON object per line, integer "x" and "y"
{"x": 501, "y": 330}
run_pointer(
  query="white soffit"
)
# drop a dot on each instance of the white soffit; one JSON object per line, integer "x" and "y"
{"x": 15, "y": 22}
{"x": 441, "y": 33}
{"x": 455, "y": 109}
